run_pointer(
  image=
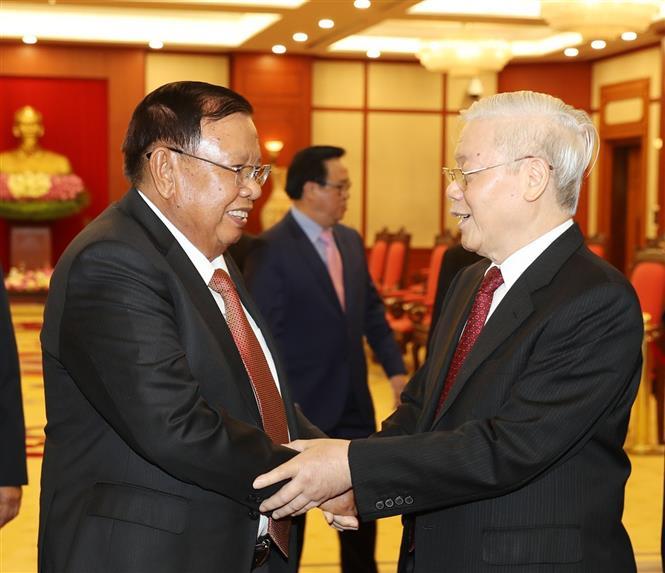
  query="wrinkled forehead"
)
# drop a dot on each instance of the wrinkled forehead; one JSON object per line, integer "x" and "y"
{"x": 476, "y": 140}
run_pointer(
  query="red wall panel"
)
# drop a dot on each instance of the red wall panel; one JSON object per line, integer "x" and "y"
{"x": 75, "y": 119}
{"x": 280, "y": 90}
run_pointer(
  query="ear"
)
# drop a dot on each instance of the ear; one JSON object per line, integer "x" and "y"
{"x": 308, "y": 189}
{"x": 162, "y": 172}
{"x": 537, "y": 175}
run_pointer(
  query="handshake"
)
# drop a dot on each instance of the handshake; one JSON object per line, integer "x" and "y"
{"x": 319, "y": 476}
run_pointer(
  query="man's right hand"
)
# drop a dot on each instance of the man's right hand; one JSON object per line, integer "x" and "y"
{"x": 10, "y": 503}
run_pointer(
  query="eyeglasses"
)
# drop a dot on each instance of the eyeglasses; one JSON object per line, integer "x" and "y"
{"x": 458, "y": 176}
{"x": 339, "y": 187}
{"x": 244, "y": 174}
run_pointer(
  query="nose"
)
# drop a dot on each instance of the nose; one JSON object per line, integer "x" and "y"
{"x": 250, "y": 190}
{"x": 453, "y": 191}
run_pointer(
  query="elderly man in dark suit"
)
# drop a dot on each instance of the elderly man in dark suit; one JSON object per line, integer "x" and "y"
{"x": 309, "y": 277}
{"x": 506, "y": 453}
{"x": 13, "y": 471}
{"x": 162, "y": 384}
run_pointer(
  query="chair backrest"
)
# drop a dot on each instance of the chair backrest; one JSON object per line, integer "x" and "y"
{"x": 441, "y": 244}
{"x": 396, "y": 261}
{"x": 648, "y": 279}
{"x": 377, "y": 255}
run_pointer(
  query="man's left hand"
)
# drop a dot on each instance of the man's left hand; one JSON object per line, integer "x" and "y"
{"x": 398, "y": 381}
{"x": 10, "y": 503}
{"x": 321, "y": 472}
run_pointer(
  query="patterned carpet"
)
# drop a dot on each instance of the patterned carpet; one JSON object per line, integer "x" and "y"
{"x": 18, "y": 551}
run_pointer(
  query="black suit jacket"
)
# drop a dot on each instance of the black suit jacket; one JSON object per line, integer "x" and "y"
{"x": 153, "y": 436}
{"x": 320, "y": 343}
{"x": 523, "y": 471}
{"x": 12, "y": 429}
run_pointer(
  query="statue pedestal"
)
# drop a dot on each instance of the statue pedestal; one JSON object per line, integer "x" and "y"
{"x": 30, "y": 247}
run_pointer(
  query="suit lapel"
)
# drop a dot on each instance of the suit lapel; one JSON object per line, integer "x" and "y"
{"x": 515, "y": 307}
{"x": 313, "y": 261}
{"x": 199, "y": 293}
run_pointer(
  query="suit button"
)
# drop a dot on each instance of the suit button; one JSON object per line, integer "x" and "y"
{"x": 379, "y": 505}
{"x": 253, "y": 514}
{"x": 399, "y": 500}
{"x": 408, "y": 500}
{"x": 389, "y": 502}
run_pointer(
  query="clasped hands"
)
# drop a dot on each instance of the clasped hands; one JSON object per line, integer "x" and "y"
{"x": 318, "y": 477}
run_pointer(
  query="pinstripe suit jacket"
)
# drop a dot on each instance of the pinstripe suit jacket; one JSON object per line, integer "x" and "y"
{"x": 523, "y": 471}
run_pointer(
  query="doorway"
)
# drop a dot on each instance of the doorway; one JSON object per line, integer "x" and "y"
{"x": 627, "y": 204}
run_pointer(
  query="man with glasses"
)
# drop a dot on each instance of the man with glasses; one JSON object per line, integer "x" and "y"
{"x": 164, "y": 397}
{"x": 506, "y": 453}
{"x": 310, "y": 279}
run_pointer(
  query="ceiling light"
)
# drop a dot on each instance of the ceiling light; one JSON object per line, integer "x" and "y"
{"x": 156, "y": 44}
{"x": 599, "y": 18}
{"x": 300, "y": 37}
{"x": 373, "y": 53}
{"x": 112, "y": 24}
{"x": 520, "y": 9}
{"x": 29, "y": 39}
{"x": 571, "y": 52}
{"x": 279, "y": 49}
{"x": 465, "y": 57}
{"x": 326, "y": 23}
{"x": 598, "y": 44}
{"x": 362, "y": 4}
{"x": 629, "y": 36}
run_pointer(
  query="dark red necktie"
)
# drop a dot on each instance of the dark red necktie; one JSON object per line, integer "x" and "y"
{"x": 271, "y": 406}
{"x": 477, "y": 317}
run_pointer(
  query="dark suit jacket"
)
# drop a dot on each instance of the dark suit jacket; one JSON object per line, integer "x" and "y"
{"x": 322, "y": 345}
{"x": 154, "y": 435}
{"x": 523, "y": 471}
{"x": 12, "y": 429}
{"x": 454, "y": 260}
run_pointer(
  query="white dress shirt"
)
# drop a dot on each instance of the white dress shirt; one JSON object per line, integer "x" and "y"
{"x": 515, "y": 265}
{"x": 206, "y": 269}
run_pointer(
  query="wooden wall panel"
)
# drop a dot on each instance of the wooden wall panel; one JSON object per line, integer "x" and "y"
{"x": 280, "y": 90}
{"x": 122, "y": 68}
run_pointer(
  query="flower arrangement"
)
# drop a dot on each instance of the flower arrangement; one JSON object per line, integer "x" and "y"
{"x": 31, "y": 196}
{"x": 28, "y": 281}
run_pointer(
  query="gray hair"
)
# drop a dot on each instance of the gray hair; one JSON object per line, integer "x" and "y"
{"x": 565, "y": 137}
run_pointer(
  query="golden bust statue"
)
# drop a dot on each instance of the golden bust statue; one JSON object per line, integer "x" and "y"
{"x": 29, "y": 157}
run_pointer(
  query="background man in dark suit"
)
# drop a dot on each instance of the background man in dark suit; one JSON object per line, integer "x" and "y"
{"x": 157, "y": 413}
{"x": 506, "y": 453}
{"x": 319, "y": 319}
{"x": 13, "y": 471}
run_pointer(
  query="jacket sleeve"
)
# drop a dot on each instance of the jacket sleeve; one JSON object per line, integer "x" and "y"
{"x": 120, "y": 342}
{"x": 377, "y": 330}
{"x": 583, "y": 367}
{"x": 12, "y": 429}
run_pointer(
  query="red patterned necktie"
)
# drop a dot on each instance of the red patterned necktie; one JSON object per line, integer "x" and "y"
{"x": 271, "y": 406}
{"x": 477, "y": 317}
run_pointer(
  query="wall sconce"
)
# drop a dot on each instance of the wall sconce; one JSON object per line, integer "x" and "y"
{"x": 475, "y": 88}
{"x": 273, "y": 147}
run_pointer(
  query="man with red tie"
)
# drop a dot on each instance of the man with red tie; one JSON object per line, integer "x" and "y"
{"x": 164, "y": 395}
{"x": 308, "y": 275}
{"x": 506, "y": 454}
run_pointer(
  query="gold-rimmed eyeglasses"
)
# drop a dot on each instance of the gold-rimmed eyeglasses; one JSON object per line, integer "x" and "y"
{"x": 244, "y": 174}
{"x": 339, "y": 187}
{"x": 457, "y": 175}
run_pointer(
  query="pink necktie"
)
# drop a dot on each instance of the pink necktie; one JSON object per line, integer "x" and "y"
{"x": 334, "y": 261}
{"x": 267, "y": 396}
{"x": 477, "y": 317}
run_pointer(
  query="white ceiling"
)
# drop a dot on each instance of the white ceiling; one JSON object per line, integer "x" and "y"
{"x": 397, "y": 28}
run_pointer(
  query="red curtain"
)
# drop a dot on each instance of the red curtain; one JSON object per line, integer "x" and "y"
{"x": 75, "y": 117}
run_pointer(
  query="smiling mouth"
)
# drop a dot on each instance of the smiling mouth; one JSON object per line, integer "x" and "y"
{"x": 239, "y": 215}
{"x": 461, "y": 217}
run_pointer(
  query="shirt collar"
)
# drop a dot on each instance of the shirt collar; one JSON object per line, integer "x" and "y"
{"x": 513, "y": 267}
{"x": 309, "y": 226}
{"x": 204, "y": 267}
